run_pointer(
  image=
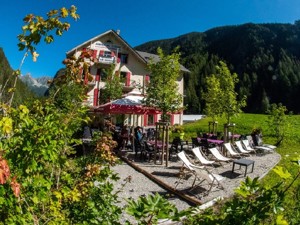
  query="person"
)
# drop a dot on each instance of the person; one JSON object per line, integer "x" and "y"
{"x": 138, "y": 133}
{"x": 124, "y": 136}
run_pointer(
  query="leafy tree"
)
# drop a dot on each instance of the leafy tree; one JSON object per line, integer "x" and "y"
{"x": 41, "y": 180}
{"x": 220, "y": 97}
{"x": 113, "y": 86}
{"x": 278, "y": 122}
{"x": 162, "y": 91}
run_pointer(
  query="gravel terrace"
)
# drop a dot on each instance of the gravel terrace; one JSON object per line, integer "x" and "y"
{"x": 149, "y": 178}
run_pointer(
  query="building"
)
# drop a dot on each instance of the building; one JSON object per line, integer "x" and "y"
{"x": 108, "y": 49}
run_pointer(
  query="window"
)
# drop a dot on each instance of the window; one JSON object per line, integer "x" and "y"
{"x": 123, "y": 57}
{"x": 150, "y": 120}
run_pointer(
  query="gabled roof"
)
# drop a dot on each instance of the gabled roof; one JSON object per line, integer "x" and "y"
{"x": 143, "y": 56}
{"x": 117, "y": 36}
{"x": 148, "y": 56}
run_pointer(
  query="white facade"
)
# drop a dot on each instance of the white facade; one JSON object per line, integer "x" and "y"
{"x": 107, "y": 49}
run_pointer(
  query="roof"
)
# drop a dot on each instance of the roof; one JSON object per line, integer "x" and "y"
{"x": 102, "y": 35}
{"x": 148, "y": 56}
{"x": 143, "y": 56}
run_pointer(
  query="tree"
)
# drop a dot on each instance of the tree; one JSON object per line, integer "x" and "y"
{"x": 41, "y": 182}
{"x": 220, "y": 97}
{"x": 113, "y": 86}
{"x": 278, "y": 122}
{"x": 162, "y": 91}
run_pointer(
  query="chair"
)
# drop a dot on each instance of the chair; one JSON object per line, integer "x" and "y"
{"x": 229, "y": 148}
{"x": 201, "y": 174}
{"x": 247, "y": 146}
{"x": 259, "y": 143}
{"x": 148, "y": 151}
{"x": 220, "y": 158}
{"x": 195, "y": 142}
{"x": 241, "y": 149}
{"x": 263, "y": 148}
{"x": 174, "y": 149}
{"x": 205, "y": 144}
{"x": 197, "y": 152}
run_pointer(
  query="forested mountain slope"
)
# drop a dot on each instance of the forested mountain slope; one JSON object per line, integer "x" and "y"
{"x": 6, "y": 81}
{"x": 265, "y": 56}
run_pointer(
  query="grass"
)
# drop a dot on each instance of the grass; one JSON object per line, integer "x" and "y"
{"x": 288, "y": 149}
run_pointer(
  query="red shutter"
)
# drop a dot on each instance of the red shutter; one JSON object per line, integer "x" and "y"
{"x": 119, "y": 58}
{"x": 98, "y": 75}
{"x": 145, "y": 119}
{"x": 155, "y": 118}
{"x": 94, "y": 54}
{"x": 172, "y": 119}
{"x": 112, "y": 54}
{"x": 101, "y": 52}
{"x": 147, "y": 79}
{"x": 127, "y": 79}
{"x": 86, "y": 78}
{"x": 80, "y": 74}
{"x": 96, "y": 91}
{"x": 82, "y": 52}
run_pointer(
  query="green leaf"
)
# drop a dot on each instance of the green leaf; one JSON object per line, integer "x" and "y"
{"x": 280, "y": 220}
{"x": 284, "y": 174}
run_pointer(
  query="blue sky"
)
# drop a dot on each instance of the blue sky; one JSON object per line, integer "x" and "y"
{"x": 139, "y": 21}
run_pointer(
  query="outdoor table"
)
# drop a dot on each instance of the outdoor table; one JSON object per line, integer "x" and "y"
{"x": 243, "y": 162}
{"x": 215, "y": 141}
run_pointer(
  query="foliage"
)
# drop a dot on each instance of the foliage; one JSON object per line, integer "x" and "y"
{"x": 278, "y": 121}
{"x": 55, "y": 188}
{"x": 42, "y": 181}
{"x": 162, "y": 91}
{"x": 113, "y": 86}
{"x": 220, "y": 97}
{"x": 36, "y": 28}
{"x": 148, "y": 210}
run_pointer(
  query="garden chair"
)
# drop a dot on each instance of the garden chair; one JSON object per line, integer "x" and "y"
{"x": 200, "y": 157}
{"x": 230, "y": 149}
{"x": 219, "y": 157}
{"x": 259, "y": 143}
{"x": 241, "y": 148}
{"x": 263, "y": 148}
{"x": 200, "y": 174}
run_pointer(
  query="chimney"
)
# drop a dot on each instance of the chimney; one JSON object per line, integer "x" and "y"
{"x": 118, "y": 32}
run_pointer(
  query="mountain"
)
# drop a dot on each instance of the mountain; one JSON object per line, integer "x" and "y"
{"x": 22, "y": 93}
{"x": 266, "y": 58}
{"x": 39, "y": 85}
